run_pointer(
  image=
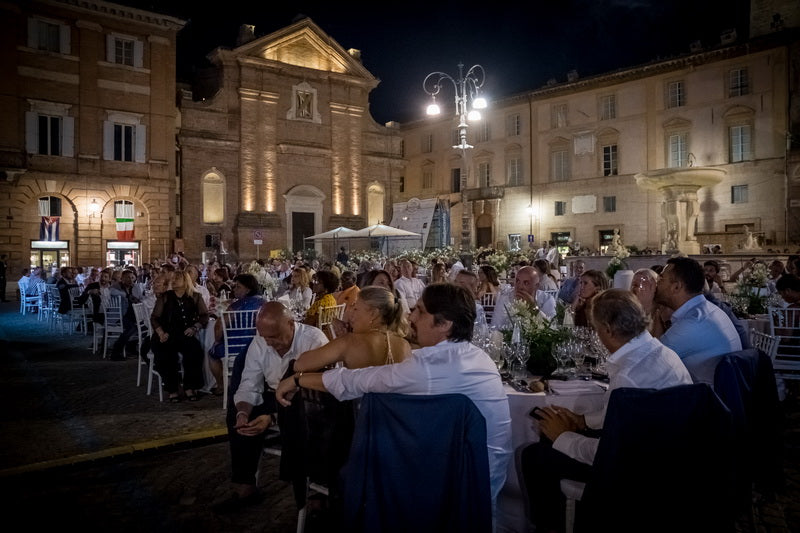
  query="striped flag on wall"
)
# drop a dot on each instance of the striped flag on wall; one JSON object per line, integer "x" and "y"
{"x": 124, "y": 215}
{"x": 48, "y": 230}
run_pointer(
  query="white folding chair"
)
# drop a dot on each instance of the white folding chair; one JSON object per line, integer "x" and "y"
{"x": 28, "y": 302}
{"x": 487, "y": 301}
{"x": 238, "y": 329}
{"x": 143, "y": 331}
{"x": 765, "y": 342}
{"x": 784, "y": 324}
{"x": 113, "y": 327}
{"x": 76, "y": 316}
{"x": 326, "y": 316}
{"x": 53, "y": 303}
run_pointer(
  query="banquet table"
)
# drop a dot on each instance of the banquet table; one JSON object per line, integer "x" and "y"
{"x": 758, "y": 323}
{"x": 577, "y": 395}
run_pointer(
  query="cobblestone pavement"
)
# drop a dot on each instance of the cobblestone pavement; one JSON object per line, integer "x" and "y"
{"x": 81, "y": 445}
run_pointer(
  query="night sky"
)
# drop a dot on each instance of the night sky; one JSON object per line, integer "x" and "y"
{"x": 519, "y": 47}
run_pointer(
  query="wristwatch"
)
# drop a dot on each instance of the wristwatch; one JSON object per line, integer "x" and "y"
{"x": 297, "y": 379}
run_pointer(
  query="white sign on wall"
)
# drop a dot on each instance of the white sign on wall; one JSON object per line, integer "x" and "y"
{"x": 584, "y": 204}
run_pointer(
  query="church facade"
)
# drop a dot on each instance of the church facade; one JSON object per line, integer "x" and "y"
{"x": 285, "y": 148}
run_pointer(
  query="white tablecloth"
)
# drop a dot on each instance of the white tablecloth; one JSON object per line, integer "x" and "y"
{"x": 587, "y": 397}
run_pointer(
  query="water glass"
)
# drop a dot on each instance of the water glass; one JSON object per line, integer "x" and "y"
{"x": 518, "y": 370}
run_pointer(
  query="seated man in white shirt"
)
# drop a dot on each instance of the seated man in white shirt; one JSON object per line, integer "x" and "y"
{"x": 407, "y": 285}
{"x": 278, "y": 342}
{"x": 637, "y": 360}
{"x": 526, "y": 288}
{"x": 698, "y": 329}
{"x": 446, "y": 363}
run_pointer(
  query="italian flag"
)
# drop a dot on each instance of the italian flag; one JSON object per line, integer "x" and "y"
{"x": 124, "y": 215}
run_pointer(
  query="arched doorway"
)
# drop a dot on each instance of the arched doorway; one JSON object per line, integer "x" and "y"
{"x": 375, "y": 198}
{"x": 303, "y": 215}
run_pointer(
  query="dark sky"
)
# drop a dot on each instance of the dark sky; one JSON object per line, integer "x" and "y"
{"x": 519, "y": 47}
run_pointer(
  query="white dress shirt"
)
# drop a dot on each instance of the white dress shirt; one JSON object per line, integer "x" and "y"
{"x": 410, "y": 289}
{"x": 447, "y": 368}
{"x": 500, "y": 320}
{"x": 642, "y": 363}
{"x": 264, "y": 364}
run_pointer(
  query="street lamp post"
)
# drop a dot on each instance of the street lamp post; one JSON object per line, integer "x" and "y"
{"x": 468, "y": 101}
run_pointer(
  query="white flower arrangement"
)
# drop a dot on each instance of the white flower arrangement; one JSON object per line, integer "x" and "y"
{"x": 266, "y": 281}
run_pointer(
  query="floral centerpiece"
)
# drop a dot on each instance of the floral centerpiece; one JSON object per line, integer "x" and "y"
{"x": 618, "y": 261}
{"x": 538, "y": 332}
{"x": 266, "y": 282}
{"x": 750, "y": 296}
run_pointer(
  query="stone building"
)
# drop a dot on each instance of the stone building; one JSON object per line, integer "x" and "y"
{"x": 87, "y": 144}
{"x": 284, "y": 147}
{"x": 560, "y": 162}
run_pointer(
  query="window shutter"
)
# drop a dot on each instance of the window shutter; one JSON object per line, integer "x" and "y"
{"x": 32, "y": 132}
{"x": 110, "y": 48}
{"x": 33, "y": 33}
{"x": 64, "y": 35}
{"x": 138, "y": 54}
{"x": 140, "y": 142}
{"x": 68, "y": 133}
{"x": 108, "y": 140}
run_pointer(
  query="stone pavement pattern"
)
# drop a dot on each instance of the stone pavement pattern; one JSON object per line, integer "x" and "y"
{"x": 82, "y": 446}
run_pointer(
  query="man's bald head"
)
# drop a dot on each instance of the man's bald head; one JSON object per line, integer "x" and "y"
{"x": 276, "y": 324}
{"x": 527, "y": 280}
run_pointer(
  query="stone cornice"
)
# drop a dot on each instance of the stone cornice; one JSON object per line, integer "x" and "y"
{"x": 123, "y": 12}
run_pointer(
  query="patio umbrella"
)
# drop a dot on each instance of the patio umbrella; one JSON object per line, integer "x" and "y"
{"x": 333, "y": 234}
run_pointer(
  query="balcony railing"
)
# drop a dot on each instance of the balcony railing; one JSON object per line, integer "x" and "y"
{"x": 484, "y": 193}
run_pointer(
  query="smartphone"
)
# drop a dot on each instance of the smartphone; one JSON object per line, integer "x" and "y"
{"x": 535, "y": 413}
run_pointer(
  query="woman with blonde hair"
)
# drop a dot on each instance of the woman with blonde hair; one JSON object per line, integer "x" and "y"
{"x": 300, "y": 286}
{"x": 644, "y": 288}
{"x": 438, "y": 273}
{"x": 178, "y": 315}
{"x": 377, "y": 329}
{"x": 592, "y": 283}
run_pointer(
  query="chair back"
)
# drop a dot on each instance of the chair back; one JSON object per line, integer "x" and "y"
{"x": 552, "y": 292}
{"x": 142, "y": 321}
{"x": 663, "y": 461}
{"x": 764, "y": 342}
{"x": 326, "y": 315}
{"x": 399, "y": 449}
{"x": 238, "y": 329}
{"x": 113, "y": 315}
{"x": 487, "y": 301}
{"x": 784, "y": 322}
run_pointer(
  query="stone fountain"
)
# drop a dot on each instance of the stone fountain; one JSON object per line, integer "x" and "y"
{"x": 681, "y": 206}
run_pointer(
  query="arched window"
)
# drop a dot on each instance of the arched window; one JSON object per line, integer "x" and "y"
{"x": 375, "y": 196}
{"x": 213, "y": 198}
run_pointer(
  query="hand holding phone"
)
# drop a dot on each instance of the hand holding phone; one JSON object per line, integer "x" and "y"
{"x": 535, "y": 413}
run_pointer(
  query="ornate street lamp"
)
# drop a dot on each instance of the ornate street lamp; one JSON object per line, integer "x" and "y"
{"x": 468, "y": 101}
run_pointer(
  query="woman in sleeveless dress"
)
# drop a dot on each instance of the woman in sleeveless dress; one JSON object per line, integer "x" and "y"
{"x": 376, "y": 338}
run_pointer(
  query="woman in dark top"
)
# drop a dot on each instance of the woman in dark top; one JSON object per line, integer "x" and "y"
{"x": 177, "y": 317}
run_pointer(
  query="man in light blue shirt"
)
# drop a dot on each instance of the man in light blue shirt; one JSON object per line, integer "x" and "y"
{"x": 699, "y": 329}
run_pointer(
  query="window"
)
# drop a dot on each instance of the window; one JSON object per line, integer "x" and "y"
{"x": 740, "y": 145}
{"x": 124, "y": 50}
{"x": 123, "y": 142}
{"x": 738, "y": 83}
{"x": 609, "y": 204}
{"x": 558, "y": 116}
{"x": 48, "y": 36}
{"x": 678, "y": 150}
{"x": 49, "y": 206}
{"x": 213, "y": 199}
{"x": 483, "y": 132}
{"x": 401, "y": 181}
{"x": 675, "y": 94}
{"x": 560, "y": 209}
{"x": 456, "y": 137}
{"x": 608, "y": 107}
{"x": 427, "y": 143}
{"x": 610, "y": 160}
{"x": 559, "y": 165}
{"x": 49, "y": 129}
{"x": 455, "y": 180}
{"x": 514, "y": 171}
{"x": 124, "y": 138}
{"x": 739, "y": 194}
{"x": 427, "y": 179}
{"x": 484, "y": 174}
{"x": 513, "y": 125}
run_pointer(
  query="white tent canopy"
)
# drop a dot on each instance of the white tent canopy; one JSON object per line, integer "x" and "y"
{"x": 381, "y": 230}
{"x": 337, "y": 233}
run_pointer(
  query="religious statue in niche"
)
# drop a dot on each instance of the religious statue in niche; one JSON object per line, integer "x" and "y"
{"x": 751, "y": 240}
{"x": 616, "y": 242}
{"x": 304, "y": 101}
